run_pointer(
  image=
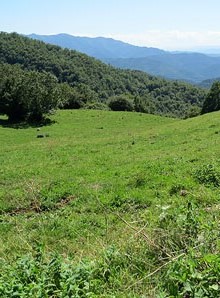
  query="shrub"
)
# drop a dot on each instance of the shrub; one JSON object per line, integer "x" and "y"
{"x": 193, "y": 111}
{"x": 27, "y": 95}
{"x": 144, "y": 105}
{"x": 121, "y": 103}
{"x": 194, "y": 276}
{"x": 96, "y": 106}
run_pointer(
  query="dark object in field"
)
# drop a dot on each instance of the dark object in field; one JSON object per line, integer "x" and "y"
{"x": 46, "y": 135}
{"x": 40, "y": 136}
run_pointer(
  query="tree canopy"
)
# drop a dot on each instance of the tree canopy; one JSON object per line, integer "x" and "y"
{"x": 121, "y": 103}
{"x": 212, "y": 101}
{"x": 27, "y": 95}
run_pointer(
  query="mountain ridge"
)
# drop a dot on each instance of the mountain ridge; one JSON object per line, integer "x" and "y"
{"x": 194, "y": 67}
{"x": 98, "y": 47}
{"x": 186, "y": 66}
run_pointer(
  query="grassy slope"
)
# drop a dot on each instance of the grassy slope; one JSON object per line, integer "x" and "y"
{"x": 133, "y": 164}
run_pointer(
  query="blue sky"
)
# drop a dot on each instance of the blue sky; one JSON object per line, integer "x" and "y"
{"x": 168, "y": 24}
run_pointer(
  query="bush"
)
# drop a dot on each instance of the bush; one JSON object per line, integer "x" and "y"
{"x": 144, "y": 105}
{"x": 193, "y": 111}
{"x": 76, "y": 97}
{"x": 27, "y": 95}
{"x": 96, "y": 106}
{"x": 194, "y": 276}
{"x": 121, "y": 103}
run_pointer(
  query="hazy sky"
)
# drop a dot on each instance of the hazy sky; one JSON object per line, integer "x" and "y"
{"x": 168, "y": 24}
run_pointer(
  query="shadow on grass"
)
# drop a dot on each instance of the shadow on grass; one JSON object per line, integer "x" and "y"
{"x": 24, "y": 124}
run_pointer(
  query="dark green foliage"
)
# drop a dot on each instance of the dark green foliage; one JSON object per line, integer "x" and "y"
{"x": 212, "y": 101}
{"x": 27, "y": 95}
{"x": 144, "y": 105}
{"x": 34, "y": 275}
{"x": 194, "y": 276}
{"x": 121, "y": 103}
{"x": 94, "y": 81}
{"x": 193, "y": 111}
{"x": 96, "y": 106}
{"x": 75, "y": 98}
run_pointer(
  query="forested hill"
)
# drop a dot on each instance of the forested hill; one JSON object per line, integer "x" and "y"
{"x": 94, "y": 81}
{"x": 193, "y": 67}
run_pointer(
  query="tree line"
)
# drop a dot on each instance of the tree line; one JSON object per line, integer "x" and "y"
{"x": 49, "y": 77}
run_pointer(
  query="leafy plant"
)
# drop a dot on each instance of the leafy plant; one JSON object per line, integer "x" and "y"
{"x": 193, "y": 276}
{"x": 208, "y": 175}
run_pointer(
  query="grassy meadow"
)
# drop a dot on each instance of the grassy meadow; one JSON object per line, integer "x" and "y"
{"x": 125, "y": 203}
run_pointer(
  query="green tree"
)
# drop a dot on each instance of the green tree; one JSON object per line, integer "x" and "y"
{"x": 40, "y": 94}
{"x": 121, "y": 103}
{"x": 27, "y": 95}
{"x": 212, "y": 101}
{"x": 11, "y": 78}
{"x": 144, "y": 104}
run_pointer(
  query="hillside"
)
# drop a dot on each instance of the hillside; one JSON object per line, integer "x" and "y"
{"x": 190, "y": 67}
{"x": 94, "y": 81}
{"x": 110, "y": 205}
{"x": 208, "y": 83}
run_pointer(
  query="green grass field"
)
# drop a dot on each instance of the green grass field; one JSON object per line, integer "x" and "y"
{"x": 129, "y": 200}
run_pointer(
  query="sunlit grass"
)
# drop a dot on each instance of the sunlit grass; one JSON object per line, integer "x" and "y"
{"x": 99, "y": 174}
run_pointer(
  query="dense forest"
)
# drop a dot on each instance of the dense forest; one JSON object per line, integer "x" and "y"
{"x": 90, "y": 81}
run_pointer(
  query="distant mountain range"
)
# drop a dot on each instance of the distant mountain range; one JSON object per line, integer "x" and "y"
{"x": 186, "y": 66}
{"x": 98, "y": 47}
{"x": 191, "y": 67}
